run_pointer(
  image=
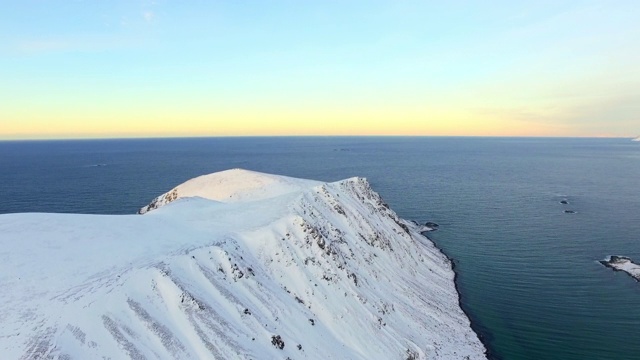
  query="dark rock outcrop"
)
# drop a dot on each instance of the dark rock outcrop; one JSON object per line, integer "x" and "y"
{"x": 277, "y": 341}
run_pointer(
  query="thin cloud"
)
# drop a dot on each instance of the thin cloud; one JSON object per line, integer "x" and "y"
{"x": 148, "y": 16}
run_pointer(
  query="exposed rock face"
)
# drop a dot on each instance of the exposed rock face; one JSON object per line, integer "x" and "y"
{"x": 326, "y": 268}
{"x": 160, "y": 201}
{"x": 277, "y": 341}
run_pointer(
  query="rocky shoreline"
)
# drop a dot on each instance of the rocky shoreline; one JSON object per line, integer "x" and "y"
{"x": 485, "y": 337}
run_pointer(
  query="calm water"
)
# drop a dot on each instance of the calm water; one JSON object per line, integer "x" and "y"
{"x": 527, "y": 271}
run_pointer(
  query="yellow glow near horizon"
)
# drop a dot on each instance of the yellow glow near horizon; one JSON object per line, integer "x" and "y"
{"x": 276, "y": 122}
{"x": 416, "y": 68}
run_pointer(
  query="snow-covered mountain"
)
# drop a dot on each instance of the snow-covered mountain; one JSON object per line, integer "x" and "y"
{"x": 232, "y": 265}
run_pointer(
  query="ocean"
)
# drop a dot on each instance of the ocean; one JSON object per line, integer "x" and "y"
{"x": 528, "y": 274}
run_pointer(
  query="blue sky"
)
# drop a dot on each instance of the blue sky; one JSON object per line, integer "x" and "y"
{"x": 167, "y": 68}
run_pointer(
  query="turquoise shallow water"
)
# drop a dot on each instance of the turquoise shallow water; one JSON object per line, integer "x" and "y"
{"x": 527, "y": 272}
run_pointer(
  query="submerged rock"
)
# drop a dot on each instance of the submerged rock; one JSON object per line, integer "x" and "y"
{"x": 429, "y": 226}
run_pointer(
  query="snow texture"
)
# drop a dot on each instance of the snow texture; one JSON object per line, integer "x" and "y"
{"x": 232, "y": 265}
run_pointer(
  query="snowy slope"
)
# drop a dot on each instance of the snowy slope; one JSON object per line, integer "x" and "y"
{"x": 283, "y": 268}
{"x": 236, "y": 185}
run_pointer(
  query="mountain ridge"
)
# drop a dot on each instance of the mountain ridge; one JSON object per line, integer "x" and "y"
{"x": 325, "y": 270}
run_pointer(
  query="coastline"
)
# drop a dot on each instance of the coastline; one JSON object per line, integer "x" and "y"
{"x": 482, "y": 333}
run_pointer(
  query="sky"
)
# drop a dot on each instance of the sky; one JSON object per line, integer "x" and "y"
{"x": 156, "y": 68}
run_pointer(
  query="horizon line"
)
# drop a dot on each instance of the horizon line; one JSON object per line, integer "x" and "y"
{"x": 310, "y": 136}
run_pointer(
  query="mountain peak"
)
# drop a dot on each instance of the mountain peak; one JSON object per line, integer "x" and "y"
{"x": 303, "y": 269}
{"x": 234, "y": 185}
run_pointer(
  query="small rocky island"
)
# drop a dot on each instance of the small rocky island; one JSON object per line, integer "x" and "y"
{"x": 429, "y": 226}
{"x": 623, "y": 263}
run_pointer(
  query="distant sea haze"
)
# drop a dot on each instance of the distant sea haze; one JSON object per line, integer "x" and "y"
{"x": 527, "y": 263}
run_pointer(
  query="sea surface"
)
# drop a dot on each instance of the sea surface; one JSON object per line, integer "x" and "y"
{"x": 527, "y": 271}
